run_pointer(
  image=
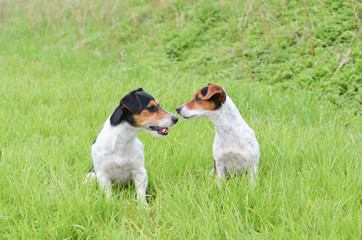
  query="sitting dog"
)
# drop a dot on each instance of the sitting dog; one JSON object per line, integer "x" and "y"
{"x": 117, "y": 153}
{"x": 235, "y": 147}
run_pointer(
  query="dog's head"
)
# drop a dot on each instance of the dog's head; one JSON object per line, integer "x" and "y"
{"x": 141, "y": 110}
{"x": 205, "y": 101}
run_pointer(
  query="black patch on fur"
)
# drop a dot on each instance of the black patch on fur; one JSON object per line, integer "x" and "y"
{"x": 144, "y": 99}
{"x": 116, "y": 116}
{"x": 215, "y": 99}
{"x": 133, "y": 103}
{"x": 92, "y": 169}
{"x": 204, "y": 91}
{"x": 136, "y": 101}
{"x": 121, "y": 115}
{"x": 128, "y": 117}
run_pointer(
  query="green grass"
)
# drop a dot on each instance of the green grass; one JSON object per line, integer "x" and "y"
{"x": 64, "y": 66}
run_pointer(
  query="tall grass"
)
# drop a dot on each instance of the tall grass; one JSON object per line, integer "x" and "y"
{"x": 64, "y": 65}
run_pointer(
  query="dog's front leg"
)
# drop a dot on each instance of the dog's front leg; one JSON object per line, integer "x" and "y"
{"x": 252, "y": 172}
{"x": 141, "y": 181}
{"x": 220, "y": 173}
{"x": 105, "y": 184}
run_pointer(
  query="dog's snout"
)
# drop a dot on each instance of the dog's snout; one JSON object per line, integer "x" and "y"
{"x": 174, "y": 119}
{"x": 178, "y": 109}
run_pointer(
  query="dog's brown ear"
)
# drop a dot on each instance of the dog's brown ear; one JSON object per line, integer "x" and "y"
{"x": 215, "y": 91}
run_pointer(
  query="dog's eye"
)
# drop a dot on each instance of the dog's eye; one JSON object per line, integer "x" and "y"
{"x": 197, "y": 98}
{"x": 152, "y": 108}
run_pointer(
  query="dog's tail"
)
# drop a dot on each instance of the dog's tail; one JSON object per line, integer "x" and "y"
{"x": 91, "y": 175}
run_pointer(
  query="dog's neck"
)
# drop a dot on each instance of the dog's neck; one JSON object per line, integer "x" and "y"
{"x": 122, "y": 136}
{"x": 227, "y": 119}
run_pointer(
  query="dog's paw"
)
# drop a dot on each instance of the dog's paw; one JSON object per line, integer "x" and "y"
{"x": 91, "y": 176}
{"x": 212, "y": 172}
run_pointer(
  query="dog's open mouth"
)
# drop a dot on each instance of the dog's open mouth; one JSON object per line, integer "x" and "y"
{"x": 160, "y": 130}
{"x": 189, "y": 117}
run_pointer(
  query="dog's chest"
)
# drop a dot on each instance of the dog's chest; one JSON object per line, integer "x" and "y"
{"x": 123, "y": 167}
{"x": 235, "y": 154}
{"x": 232, "y": 158}
{"x": 121, "y": 163}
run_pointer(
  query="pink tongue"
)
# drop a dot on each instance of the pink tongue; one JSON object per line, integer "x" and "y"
{"x": 163, "y": 130}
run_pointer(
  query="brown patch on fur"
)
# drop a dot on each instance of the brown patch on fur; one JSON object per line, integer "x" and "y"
{"x": 215, "y": 90}
{"x": 152, "y": 103}
{"x": 198, "y": 93}
{"x": 146, "y": 118}
{"x": 201, "y": 104}
{"x": 205, "y": 102}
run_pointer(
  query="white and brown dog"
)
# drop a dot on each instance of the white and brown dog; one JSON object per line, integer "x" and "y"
{"x": 235, "y": 148}
{"x": 117, "y": 153}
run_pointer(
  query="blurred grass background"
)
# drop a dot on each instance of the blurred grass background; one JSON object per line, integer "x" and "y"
{"x": 295, "y": 44}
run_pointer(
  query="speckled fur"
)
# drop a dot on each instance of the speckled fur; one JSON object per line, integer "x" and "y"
{"x": 235, "y": 147}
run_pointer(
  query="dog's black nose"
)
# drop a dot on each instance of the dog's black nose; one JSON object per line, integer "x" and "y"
{"x": 174, "y": 119}
{"x": 178, "y": 109}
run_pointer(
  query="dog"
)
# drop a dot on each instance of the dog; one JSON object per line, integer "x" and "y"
{"x": 235, "y": 148}
{"x": 117, "y": 153}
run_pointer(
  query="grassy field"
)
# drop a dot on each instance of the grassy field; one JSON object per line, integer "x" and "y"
{"x": 293, "y": 68}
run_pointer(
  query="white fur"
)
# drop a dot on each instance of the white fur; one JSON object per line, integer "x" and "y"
{"x": 118, "y": 156}
{"x": 235, "y": 147}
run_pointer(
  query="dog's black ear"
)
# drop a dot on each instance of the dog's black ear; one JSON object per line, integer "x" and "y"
{"x": 132, "y": 102}
{"x": 139, "y": 90}
{"x": 116, "y": 116}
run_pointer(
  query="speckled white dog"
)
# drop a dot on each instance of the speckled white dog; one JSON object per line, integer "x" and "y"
{"x": 235, "y": 148}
